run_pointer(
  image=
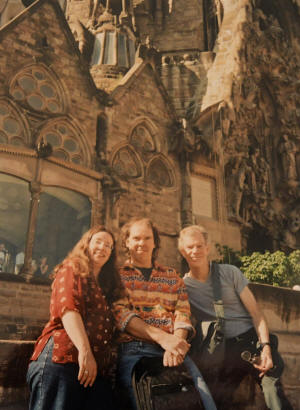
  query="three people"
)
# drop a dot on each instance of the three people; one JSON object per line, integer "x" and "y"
{"x": 149, "y": 304}
{"x": 73, "y": 355}
{"x": 245, "y": 326}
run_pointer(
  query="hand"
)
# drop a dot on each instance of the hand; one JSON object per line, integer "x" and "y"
{"x": 266, "y": 362}
{"x": 87, "y": 368}
{"x": 171, "y": 360}
{"x": 174, "y": 344}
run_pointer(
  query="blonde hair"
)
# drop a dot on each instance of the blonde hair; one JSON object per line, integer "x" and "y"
{"x": 190, "y": 230}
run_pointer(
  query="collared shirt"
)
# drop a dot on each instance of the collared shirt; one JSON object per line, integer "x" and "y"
{"x": 72, "y": 292}
{"x": 161, "y": 301}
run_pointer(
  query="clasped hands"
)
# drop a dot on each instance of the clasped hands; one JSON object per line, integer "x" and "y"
{"x": 175, "y": 350}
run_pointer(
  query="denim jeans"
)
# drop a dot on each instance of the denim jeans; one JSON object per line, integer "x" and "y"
{"x": 54, "y": 386}
{"x": 131, "y": 352}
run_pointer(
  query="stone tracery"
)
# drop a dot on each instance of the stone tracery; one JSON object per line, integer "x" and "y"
{"x": 14, "y": 129}
{"x": 37, "y": 89}
{"x": 65, "y": 140}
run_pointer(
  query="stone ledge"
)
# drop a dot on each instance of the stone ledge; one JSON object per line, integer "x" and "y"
{"x": 14, "y": 358}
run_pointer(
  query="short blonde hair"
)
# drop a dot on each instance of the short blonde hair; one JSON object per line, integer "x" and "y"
{"x": 190, "y": 230}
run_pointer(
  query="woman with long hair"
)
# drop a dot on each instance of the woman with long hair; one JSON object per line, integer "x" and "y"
{"x": 71, "y": 359}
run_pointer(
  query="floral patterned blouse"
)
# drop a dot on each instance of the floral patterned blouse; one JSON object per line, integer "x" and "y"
{"x": 72, "y": 292}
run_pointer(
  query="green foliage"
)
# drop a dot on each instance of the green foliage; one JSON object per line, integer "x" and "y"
{"x": 277, "y": 268}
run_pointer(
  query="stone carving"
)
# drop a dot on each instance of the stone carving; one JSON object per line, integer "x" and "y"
{"x": 292, "y": 229}
{"x": 288, "y": 151}
{"x": 126, "y": 163}
{"x": 259, "y": 174}
{"x": 236, "y": 171}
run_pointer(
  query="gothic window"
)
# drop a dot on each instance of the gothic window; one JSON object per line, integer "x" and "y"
{"x": 35, "y": 88}
{"x": 142, "y": 140}
{"x": 14, "y": 213}
{"x": 109, "y": 51}
{"x": 159, "y": 174}
{"x": 131, "y": 47}
{"x": 63, "y": 216}
{"x": 113, "y": 47}
{"x": 12, "y": 129}
{"x": 126, "y": 163}
{"x": 65, "y": 141}
{"x": 98, "y": 49}
{"x": 122, "y": 51}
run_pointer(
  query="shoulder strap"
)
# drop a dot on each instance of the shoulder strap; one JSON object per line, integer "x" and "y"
{"x": 217, "y": 292}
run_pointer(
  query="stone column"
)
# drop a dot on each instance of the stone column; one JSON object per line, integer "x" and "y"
{"x": 98, "y": 208}
{"x": 186, "y": 199}
{"x": 35, "y": 189}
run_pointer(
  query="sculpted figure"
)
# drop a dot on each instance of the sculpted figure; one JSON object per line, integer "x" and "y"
{"x": 263, "y": 177}
{"x": 288, "y": 150}
{"x": 236, "y": 185}
{"x": 290, "y": 238}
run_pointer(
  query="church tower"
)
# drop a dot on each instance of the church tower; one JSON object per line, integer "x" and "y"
{"x": 105, "y": 37}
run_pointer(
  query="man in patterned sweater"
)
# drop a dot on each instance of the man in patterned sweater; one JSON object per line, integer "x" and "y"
{"x": 155, "y": 318}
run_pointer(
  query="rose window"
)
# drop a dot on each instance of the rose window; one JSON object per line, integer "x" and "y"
{"x": 35, "y": 88}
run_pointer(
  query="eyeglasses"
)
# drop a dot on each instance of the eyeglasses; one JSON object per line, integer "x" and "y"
{"x": 106, "y": 245}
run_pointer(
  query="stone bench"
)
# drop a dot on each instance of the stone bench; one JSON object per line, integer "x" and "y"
{"x": 14, "y": 358}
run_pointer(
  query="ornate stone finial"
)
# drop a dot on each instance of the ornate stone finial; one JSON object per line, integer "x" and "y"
{"x": 124, "y": 16}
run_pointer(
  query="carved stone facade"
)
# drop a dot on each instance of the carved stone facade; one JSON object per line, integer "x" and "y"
{"x": 199, "y": 95}
{"x": 180, "y": 111}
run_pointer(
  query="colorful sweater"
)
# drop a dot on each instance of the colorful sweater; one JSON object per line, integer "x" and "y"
{"x": 161, "y": 301}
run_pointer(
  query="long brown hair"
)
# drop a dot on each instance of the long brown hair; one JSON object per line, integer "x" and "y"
{"x": 109, "y": 279}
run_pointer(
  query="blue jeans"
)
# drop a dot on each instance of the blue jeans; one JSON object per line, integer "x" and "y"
{"x": 131, "y": 352}
{"x": 54, "y": 386}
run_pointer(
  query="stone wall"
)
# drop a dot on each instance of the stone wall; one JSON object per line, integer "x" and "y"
{"x": 25, "y": 311}
{"x": 52, "y": 47}
{"x": 140, "y": 127}
{"x": 281, "y": 307}
{"x": 253, "y": 83}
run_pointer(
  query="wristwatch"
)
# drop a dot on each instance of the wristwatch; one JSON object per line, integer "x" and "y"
{"x": 262, "y": 345}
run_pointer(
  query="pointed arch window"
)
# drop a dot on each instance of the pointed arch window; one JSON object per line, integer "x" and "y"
{"x": 12, "y": 128}
{"x": 126, "y": 163}
{"x": 160, "y": 174}
{"x": 36, "y": 88}
{"x": 65, "y": 142}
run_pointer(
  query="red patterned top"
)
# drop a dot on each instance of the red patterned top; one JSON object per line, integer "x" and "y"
{"x": 70, "y": 291}
{"x": 161, "y": 301}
